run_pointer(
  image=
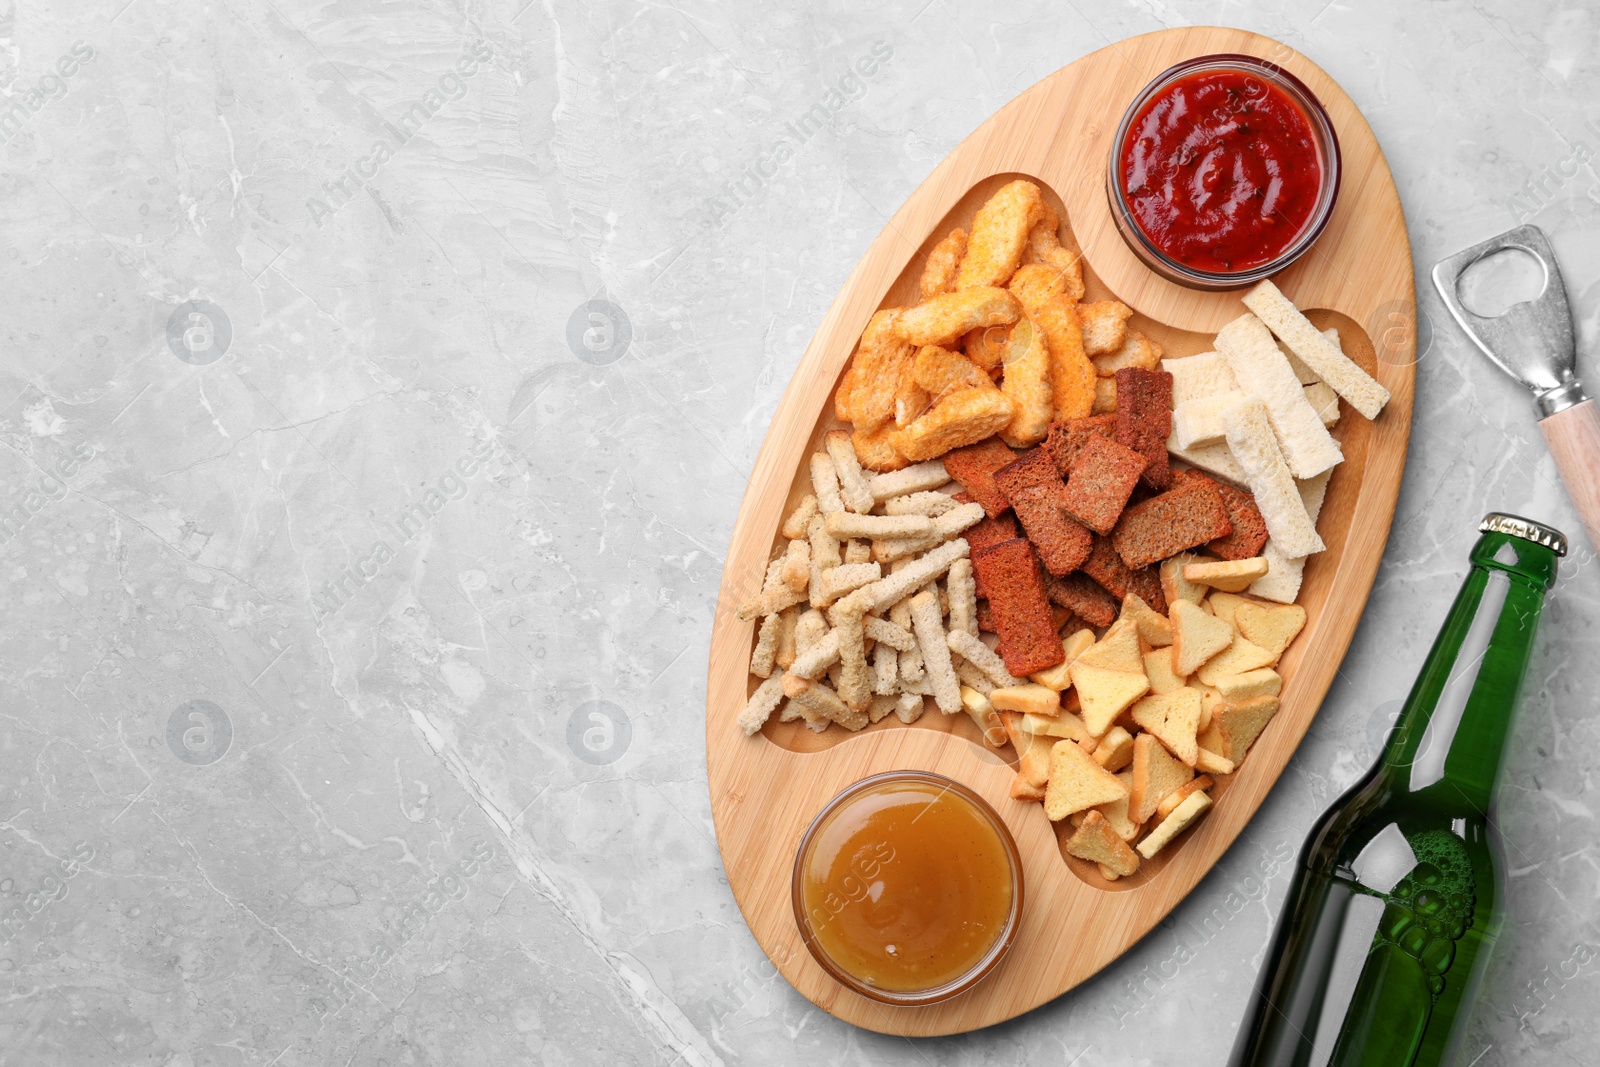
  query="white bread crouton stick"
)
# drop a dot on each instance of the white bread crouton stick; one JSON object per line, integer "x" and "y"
{"x": 825, "y": 483}
{"x": 1252, "y": 443}
{"x": 925, "y": 503}
{"x": 912, "y": 479}
{"x": 768, "y": 695}
{"x": 963, "y": 593}
{"x": 765, "y": 655}
{"x": 885, "y": 669}
{"x": 818, "y": 658}
{"x": 982, "y": 657}
{"x": 1284, "y": 573}
{"x": 929, "y": 628}
{"x": 884, "y": 593}
{"x": 852, "y": 483}
{"x": 799, "y": 520}
{"x": 844, "y": 524}
{"x": 1341, "y": 372}
{"x": 824, "y": 555}
{"x": 1263, "y": 372}
{"x": 888, "y": 633}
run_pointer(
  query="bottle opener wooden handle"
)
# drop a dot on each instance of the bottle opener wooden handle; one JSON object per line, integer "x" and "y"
{"x": 1573, "y": 435}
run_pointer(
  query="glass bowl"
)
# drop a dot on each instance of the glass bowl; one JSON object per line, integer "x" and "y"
{"x": 856, "y": 800}
{"x": 1328, "y": 194}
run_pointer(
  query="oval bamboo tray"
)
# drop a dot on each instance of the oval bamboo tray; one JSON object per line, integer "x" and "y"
{"x": 765, "y": 789}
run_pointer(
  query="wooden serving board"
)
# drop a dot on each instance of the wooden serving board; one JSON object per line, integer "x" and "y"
{"x": 765, "y": 789}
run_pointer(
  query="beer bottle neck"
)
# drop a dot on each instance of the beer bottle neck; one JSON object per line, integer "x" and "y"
{"x": 1452, "y": 731}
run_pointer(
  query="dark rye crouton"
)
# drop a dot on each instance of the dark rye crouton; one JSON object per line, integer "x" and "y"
{"x": 1249, "y": 528}
{"x": 1020, "y": 609}
{"x": 1144, "y": 419}
{"x": 1033, "y": 468}
{"x": 1101, "y": 480}
{"x": 989, "y": 532}
{"x": 1067, "y": 437}
{"x": 1146, "y": 584}
{"x": 974, "y": 468}
{"x": 1084, "y": 597}
{"x": 1107, "y": 568}
{"x": 985, "y": 617}
{"x": 1061, "y": 542}
{"x": 1184, "y": 517}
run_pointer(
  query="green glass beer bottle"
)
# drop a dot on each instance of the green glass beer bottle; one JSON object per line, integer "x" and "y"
{"x": 1395, "y": 900}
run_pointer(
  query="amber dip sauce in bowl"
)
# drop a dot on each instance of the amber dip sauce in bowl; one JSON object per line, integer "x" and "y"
{"x": 908, "y": 888}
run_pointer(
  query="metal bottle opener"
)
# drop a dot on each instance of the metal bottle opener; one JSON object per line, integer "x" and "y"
{"x": 1533, "y": 342}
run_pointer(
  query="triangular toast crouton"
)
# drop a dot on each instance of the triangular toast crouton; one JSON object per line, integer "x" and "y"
{"x": 1118, "y": 650}
{"x": 1193, "y": 806}
{"x": 1156, "y": 772}
{"x": 1077, "y": 782}
{"x": 1196, "y": 637}
{"x": 1105, "y": 694}
{"x": 1240, "y": 656}
{"x": 1173, "y": 718}
{"x": 1175, "y": 585}
{"x": 1154, "y": 629}
{"x": 1097, "y": 842}
{"x": 1270, "y": 627}
{"x": 1158, "y": 668}
{"x": 1239, "y": 724}
{"x": 1116, "y": 812}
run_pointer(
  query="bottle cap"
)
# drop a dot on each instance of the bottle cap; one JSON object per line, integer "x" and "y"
{"x": 1527, "y": 529}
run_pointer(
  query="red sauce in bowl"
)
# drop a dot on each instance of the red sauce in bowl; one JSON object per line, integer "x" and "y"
{"x": 1221, "y": 170}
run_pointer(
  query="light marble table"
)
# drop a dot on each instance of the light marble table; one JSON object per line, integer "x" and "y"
{"x": 380, "y": 386}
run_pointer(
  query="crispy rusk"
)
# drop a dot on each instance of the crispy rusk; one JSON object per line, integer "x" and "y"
{"x": 1032, "y": 699}
{"x": 962, "y": 418}
{"x": 1105, "y": 694}
{"x": 1230, "y": 575}
{"x": 1174, "y": 719}
{"x": 944, "y": 259}
{"x": 1156, "y": 772}
{"x": 1196, "y": 637}
{"x": 1035, "y": 285}
{"x": 1117, "y": 649}
{"x": 1170, "y": 802}
{"x": 1136, "y": 350}
{"x": 1077, "y": 782}
{"x": 1261, "y": 682}
{"x": 940, "y": 372}
{"x": 944, "y": 318}
{"x": 867, "y": 393}
{"x": 999, "y": 232}
{"x": 1175, "y": 585}
{"x": 1116, "y": 812}
{"x": 1212, "y": 763}
{"x": 1072, "y": 375}
{"x": 1155, "y": 630}
{"x": 1158, "y": 668}
{"x": 1098, "y": 842}
{"x": 1115, "y": 750}
{"x": 1193, "y": 806}
{"x": 1059, "y": 677}
{"x": 1105, "y": 326}
{"x": 1044, "y": 246}
{"x": 986, "y": 347}
{"x": 984, "y": 717}
{"x": 1240, "y": 656}
{"x": 874, "y": 450}
{"x": 1271, "y": 626}
{"x": 1027, "y": 384}
{"x": 1105, "y": 396}
{"x": 1239, "y": 724}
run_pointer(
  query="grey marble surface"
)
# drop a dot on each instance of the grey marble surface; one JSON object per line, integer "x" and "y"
{"x": 358, "y": 582}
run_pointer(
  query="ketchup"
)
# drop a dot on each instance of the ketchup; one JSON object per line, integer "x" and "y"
{"x": 1221, "y": 170}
